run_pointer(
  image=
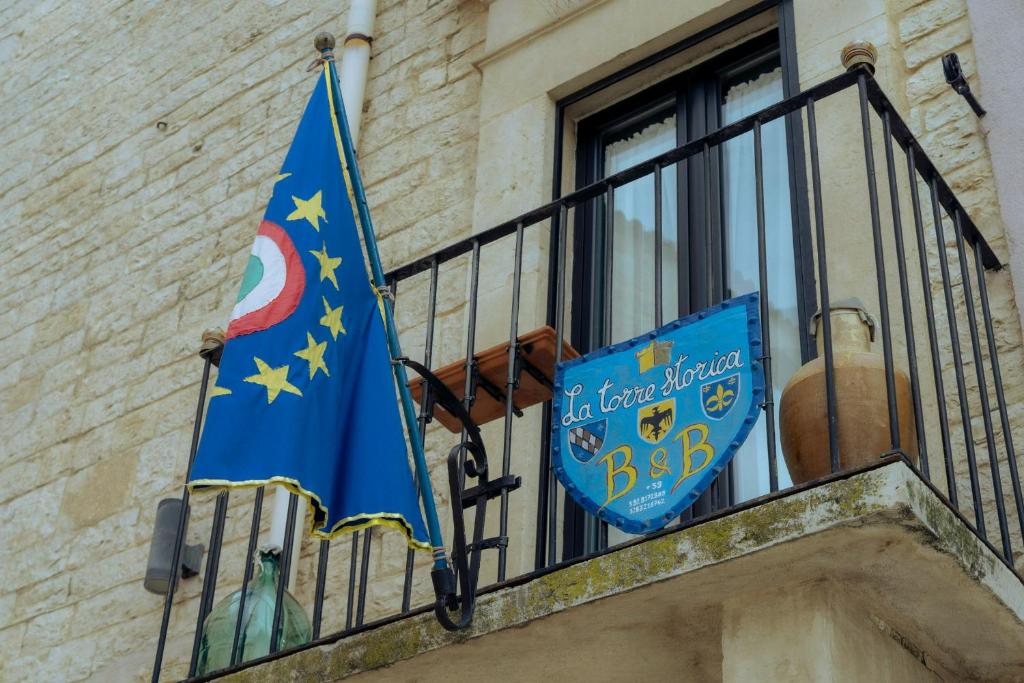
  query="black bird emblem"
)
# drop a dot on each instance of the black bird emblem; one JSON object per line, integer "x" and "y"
{"x": 655, "y": 424}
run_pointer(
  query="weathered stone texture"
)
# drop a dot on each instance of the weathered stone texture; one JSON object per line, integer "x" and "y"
{"x": 954, "y": 139}
{"x": 140, "y": 141}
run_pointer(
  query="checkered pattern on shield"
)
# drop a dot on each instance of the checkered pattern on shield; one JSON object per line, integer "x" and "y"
{"x": 585, "y": 440}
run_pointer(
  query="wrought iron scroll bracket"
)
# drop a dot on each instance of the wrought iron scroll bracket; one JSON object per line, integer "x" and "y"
{"x": 455, "y": 592}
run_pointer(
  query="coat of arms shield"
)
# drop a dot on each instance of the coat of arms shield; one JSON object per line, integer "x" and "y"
{"x": 642, "y": 428}
{"x": 585, "y": 441}
{"x": 718, "y": 397}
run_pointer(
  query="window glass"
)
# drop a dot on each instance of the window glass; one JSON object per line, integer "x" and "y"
{"x": 634, "y": 240}
{"x": 740, "y": 227}
{"x": 709, "y": 237}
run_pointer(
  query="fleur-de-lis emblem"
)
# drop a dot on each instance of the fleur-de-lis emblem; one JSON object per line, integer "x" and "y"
{"x": 719, "y": 396}
{"x": 721, "y": 399}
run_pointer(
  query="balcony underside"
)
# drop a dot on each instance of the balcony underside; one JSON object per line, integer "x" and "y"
{"x": 908, "y": 586}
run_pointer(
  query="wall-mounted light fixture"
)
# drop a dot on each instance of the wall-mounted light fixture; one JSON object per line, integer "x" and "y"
{"x": 161, "y": 549}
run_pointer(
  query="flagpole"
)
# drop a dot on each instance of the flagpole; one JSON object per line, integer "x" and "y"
{"x": 324, "y": 42}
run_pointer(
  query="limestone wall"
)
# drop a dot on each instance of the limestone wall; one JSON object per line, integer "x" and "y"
{"x": 140, "y": 142}
{"x": 911, "y": 37}
{"x": 956, "y": 141}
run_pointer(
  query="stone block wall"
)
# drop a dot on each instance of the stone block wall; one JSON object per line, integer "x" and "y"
{"x": 911, "y": 37}
{"x": 140, "y": 141}
{"x": 955, "y": 140}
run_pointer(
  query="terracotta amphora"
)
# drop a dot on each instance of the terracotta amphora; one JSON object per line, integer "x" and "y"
{"x": 861, "y": 400}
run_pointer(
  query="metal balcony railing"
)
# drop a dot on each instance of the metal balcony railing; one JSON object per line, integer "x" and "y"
{"x": 927, "y": 268}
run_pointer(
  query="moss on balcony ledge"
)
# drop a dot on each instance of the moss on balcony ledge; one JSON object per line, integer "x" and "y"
{"x": 869, "y": 532}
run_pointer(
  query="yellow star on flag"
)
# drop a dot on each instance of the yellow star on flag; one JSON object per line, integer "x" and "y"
{"x": 274, "y": 379}
{"x": 280, "y": 176}
{"x": 314, "y": 355}
{"x": 216, "y": 391}
{"x": 327, "y": 265}
{"x": 310, "y": 209}
{"x": 332, "y": 319}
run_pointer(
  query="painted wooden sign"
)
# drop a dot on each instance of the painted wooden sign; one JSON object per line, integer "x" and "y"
{"x": 643, "y": 427}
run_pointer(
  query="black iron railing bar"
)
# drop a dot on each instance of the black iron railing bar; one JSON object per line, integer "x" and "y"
{"x": 511, "y": 381}
{"x": 979, "y": 369}
{"x": 547, "y": 499}
{"x": 709, "y": 500}
{"x": 247, "y": 571}
{"x": 997, "y": 380}
{"x": 179, "y": 537}
{"x": 210, "y": 575}
{"x": 285, "y": 568}
{"x": 364, "y": 570}
{"x": 711, "y": 277}
{"x": 545, "y": 490}
{"x": 469, "y": 386}
{"x": 424, "y": 415}
{"x": 709, "y": 270}
{"x": 659, "y": 313}
{"x": 350, "y": 601}
{"x": 322, "y": 558}
{"x": 933, "y": 342}
{"x": 364, "y": 561}
{"x": 880, "y": 277}
{"x": 609, "y": 263}
{"x": 766, "y": 332}
{"x": 908, "y": 314}
{"x": 958, "y": 368}
{"x": 905, "y": 138}
{"x": 831, "y": 402}
{"x": 600, "y": 527}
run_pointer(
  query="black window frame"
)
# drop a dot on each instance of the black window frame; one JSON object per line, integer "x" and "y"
{"x": 696, "y": 97}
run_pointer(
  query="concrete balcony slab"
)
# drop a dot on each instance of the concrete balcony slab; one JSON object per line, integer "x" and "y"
{"x": 869, "y": 574}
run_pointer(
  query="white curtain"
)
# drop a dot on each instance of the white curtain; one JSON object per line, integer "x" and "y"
{"x": 633, "y": 248}
{"x": 634, "y": 244}
{"x": 740, "y": 218}
{"x": 633, "y": 252}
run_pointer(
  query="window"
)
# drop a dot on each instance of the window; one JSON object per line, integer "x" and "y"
{"x": 709, "y": 240}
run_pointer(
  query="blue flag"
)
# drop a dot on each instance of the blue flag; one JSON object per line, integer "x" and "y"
{"x": 305, "y": 396}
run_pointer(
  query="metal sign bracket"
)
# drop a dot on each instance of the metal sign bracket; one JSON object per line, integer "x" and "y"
{"x": 456, "y": 592}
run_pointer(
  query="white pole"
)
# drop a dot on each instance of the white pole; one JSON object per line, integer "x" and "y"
{"x": 355, "y": 61}
{"x": 355, "y": 64}
{"x": 279, "y": 516}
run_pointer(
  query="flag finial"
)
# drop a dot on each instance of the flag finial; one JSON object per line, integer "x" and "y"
{"x": 324, "y": 44}
{"x": 324, "y": 41}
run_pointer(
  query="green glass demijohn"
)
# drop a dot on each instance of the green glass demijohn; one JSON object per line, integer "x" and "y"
{"x": 257, "y": 620}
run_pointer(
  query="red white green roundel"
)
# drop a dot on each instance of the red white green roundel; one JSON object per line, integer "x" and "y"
{"x": 272, "y": 285}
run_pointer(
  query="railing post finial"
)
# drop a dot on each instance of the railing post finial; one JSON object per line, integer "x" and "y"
{"x": 212, "y": 346}
{"x": 859, "y": 53}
